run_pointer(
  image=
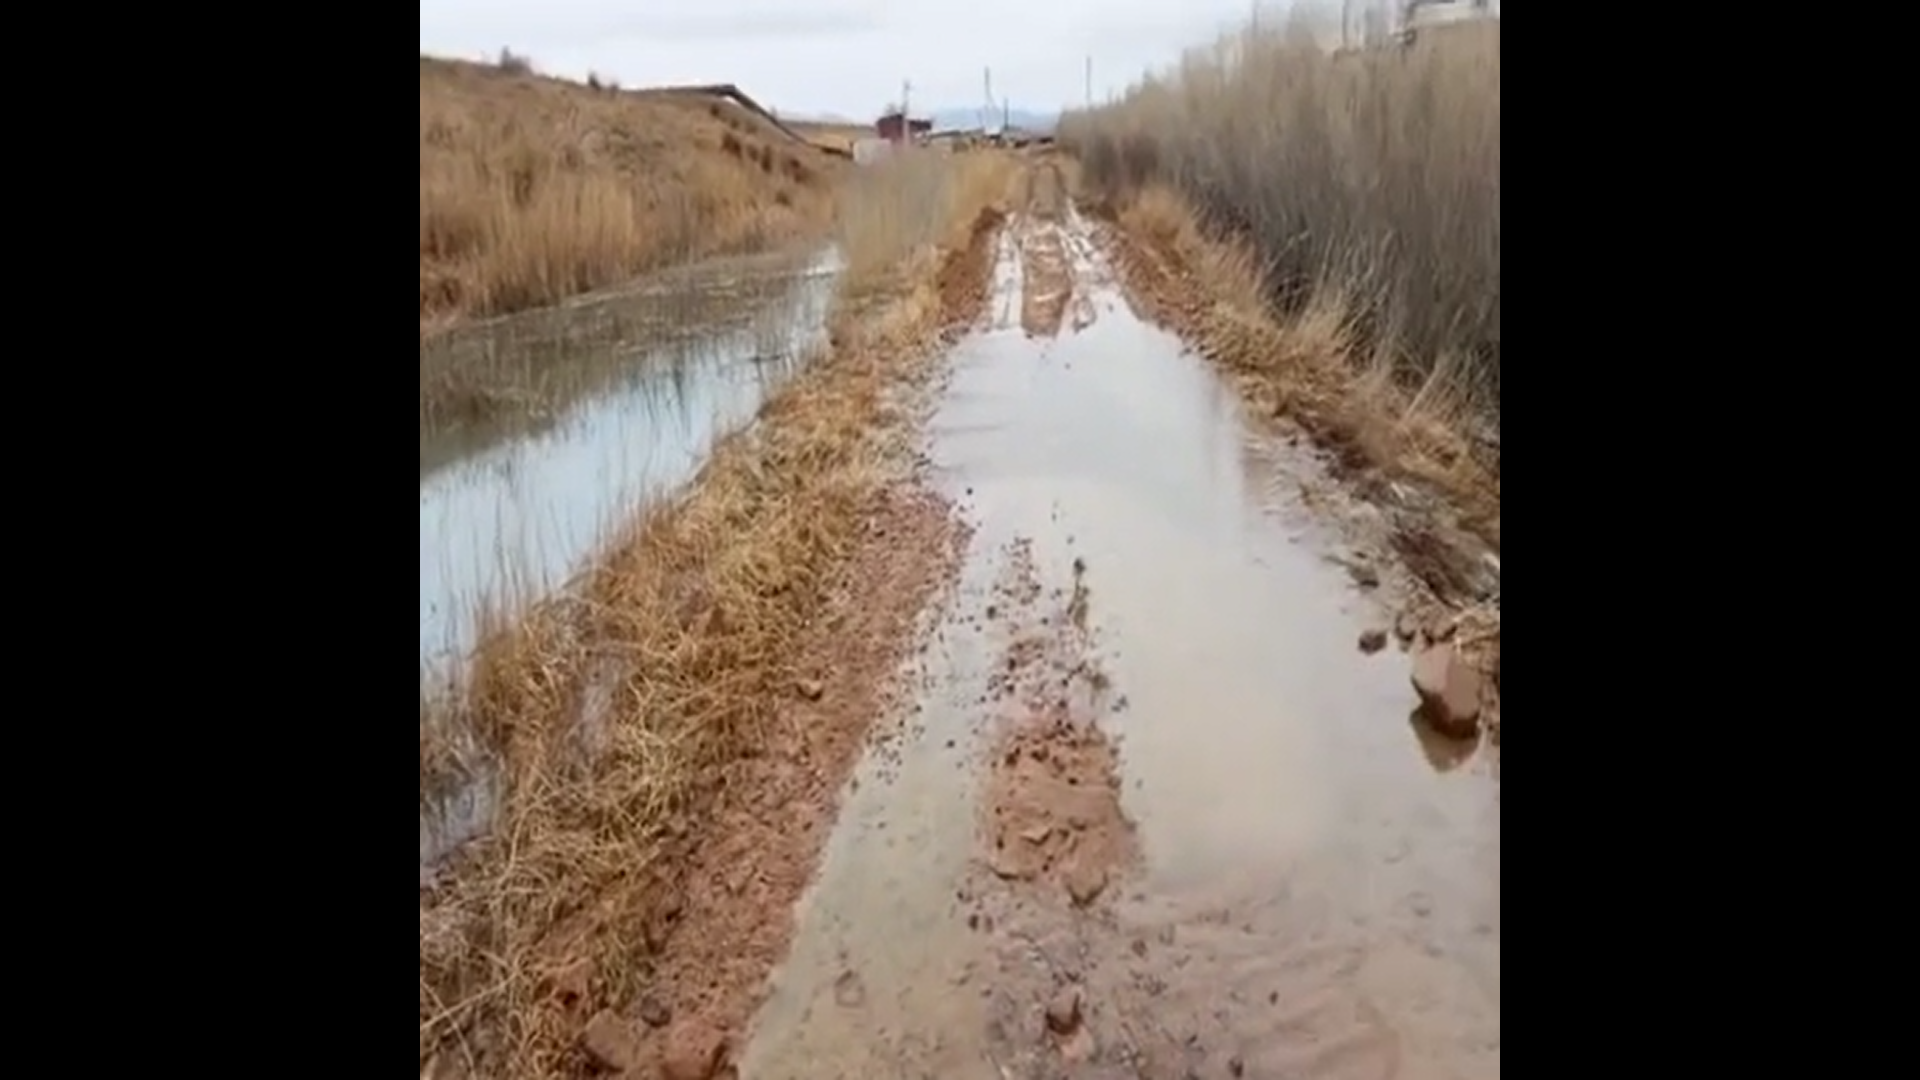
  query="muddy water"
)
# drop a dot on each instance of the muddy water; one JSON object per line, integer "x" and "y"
{"x": 597, "y": 407}
{"x": 1318, "y": 888}
{"x": 622, "y": 400}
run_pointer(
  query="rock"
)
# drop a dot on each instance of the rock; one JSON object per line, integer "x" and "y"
{"x": 1037, "y": 834}
{"x": 654, "y": 1012}
{"x": 1063, "y": 1011}
{"x": 1085, "y": 883}
{"x": 695, "y": 1051}
{"x": 1009, "y": 866}
{"x": 1363, "y": 574}
{"x": 609, "y": 1042}
{"x": 848, "y": 991}
{"x": 1236, "y": 1066}
{"x": 1372, "y": 641}
{"x": 573, "y": 984}
{"x": 1406, "y": 627}
{"x": 811, "y": 689}
{"x": 1449, "y": 691}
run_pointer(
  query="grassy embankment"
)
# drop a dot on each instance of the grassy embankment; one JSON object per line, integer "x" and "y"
{"x": 837, "y": 136}
{"x": 683, "y": 632}
{"x": 534, "y": 189}
{"x": 1327, "y": 227}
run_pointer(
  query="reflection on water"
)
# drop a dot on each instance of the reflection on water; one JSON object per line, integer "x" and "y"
{"x": 512, "y": 519}
{"x": 610, "y": 403}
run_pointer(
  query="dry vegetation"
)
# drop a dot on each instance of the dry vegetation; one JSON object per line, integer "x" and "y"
{"x": 1367, "y": 185}
{"x": 534, "y": 189}
{"x": 904, "y": 204}
{"x": 836, "y": 136}
{"x": 620, "y": 704}
{"x": 1326, "y": 227}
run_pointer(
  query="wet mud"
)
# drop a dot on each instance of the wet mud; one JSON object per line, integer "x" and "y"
{"x": 1160, "y": 803}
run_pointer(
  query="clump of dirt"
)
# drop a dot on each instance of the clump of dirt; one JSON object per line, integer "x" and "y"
{"x": 1053, "y": 801}
{"x": 1052, "y": 813}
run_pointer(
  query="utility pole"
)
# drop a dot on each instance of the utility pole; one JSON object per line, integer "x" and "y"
{"x": 906, "y": 114}
{"x": 1089, "y": 80}
{"x": 986, "y": 114}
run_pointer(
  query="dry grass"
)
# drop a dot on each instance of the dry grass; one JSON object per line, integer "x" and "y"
{"x": 904, "y": 204}
{"x": 1367, "y": 185}
{"x": 621, "y": 702}
{"x": 838, "y": 137}
{"x": 535, "y": 189}
{"x": 1327, "y": 228}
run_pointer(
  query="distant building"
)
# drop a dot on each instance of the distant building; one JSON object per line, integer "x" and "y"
{"x": 896, "y": 127}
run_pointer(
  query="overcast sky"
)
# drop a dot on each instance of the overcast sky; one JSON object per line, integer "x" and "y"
{"x": 842, "y": 56}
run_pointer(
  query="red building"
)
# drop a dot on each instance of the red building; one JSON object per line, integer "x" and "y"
{"x": 893, "y": 127}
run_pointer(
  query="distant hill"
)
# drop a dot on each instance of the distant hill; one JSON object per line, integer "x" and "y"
{"x": 975, "y": 116}
{"x": 968, "y": 117}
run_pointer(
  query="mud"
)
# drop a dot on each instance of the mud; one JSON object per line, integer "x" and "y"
{"x": 720, "y": 912}
{"x": 1048, "y": 277}
{"x": 730, "y": 920}
{"x": 1153, "y": 812}
{"x": 1051, "y": 809}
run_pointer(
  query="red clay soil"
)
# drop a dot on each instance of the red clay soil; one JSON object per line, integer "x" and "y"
{"x": 965, "y": 279}
{"x": 732, "y": 921}
{"x": 1051, "y": 812}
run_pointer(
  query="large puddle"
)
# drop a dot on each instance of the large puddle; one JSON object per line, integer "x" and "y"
{"x": 586, "y": 412}
{"x": 1318, "y": 894}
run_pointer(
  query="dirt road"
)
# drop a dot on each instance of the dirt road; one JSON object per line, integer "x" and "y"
{"x": 1145, "y": 798}
{"x": 1153, "y": 812}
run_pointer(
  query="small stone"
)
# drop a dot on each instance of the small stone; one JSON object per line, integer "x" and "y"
{"x": 1236, "y": 1066}
{"x": 811, "y": 689}
{"x": 609, "y": 1042}
{"x": 1063, "y": 1011}
{"x": 695, "y": 1051}
{"x": 1363, "y": 574}
{"x": 1406, "y": 627}
{"x": 1372, "y": 641}
{"x": 848, "y": 991}
{"x": 654, "y": 1011}
{"x": 1037, "y": 835}
{"x": 1449, "y": 690}
{"x": 1085, "y": 883}
{"x": 573, "y": 984}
